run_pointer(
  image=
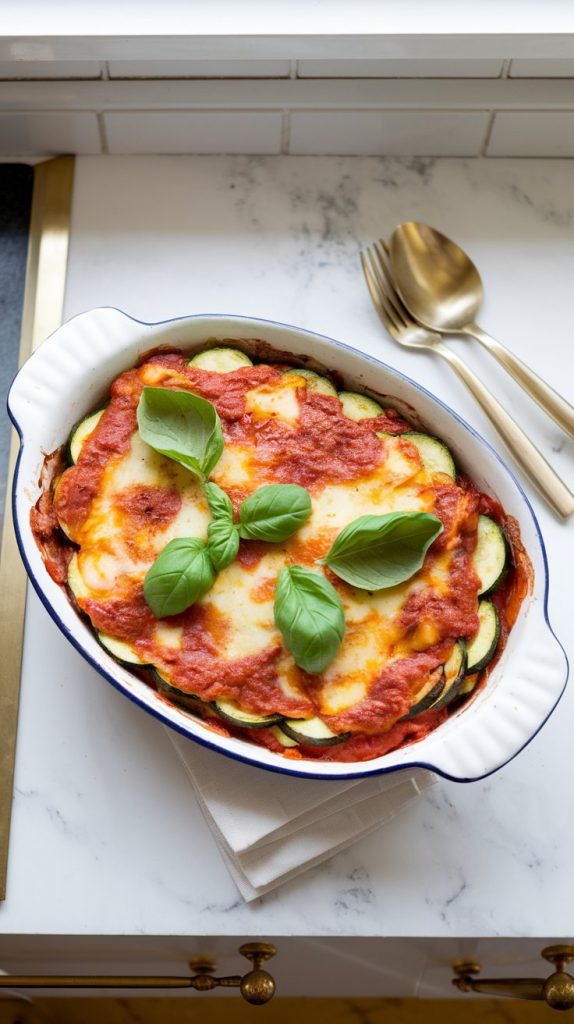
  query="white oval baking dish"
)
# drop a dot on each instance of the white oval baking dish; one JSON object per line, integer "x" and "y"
{"x": 70, "y": 373}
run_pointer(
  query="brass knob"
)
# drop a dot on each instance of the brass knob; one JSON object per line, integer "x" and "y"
{"x": 558, "y": 955}
{"x": 257, "y": 987}
{"x": 258, "y": 952}
{"x": 202, "y": 964}
{"x": 464, "y": 969}
{"x": 558, "y": 991}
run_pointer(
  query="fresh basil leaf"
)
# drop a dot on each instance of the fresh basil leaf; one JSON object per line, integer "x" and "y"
{"x": 309, "y": 616}
{"x": 219, "y": 502}
{"x": 274, "y": 512}
{"x": 182, "y": 426}
{"x": 375, "y": 552}
{"x": 222, "y": 542}
{"x": 181, "y": 574}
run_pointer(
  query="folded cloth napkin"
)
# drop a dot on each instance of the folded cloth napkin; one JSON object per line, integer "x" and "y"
{"x": 271, "y": 827}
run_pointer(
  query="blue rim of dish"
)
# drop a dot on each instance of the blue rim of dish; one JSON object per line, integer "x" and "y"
{"x": 279, "y": 769}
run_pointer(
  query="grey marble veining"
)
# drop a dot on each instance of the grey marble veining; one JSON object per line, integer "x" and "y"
{"x": 107, "y": 836}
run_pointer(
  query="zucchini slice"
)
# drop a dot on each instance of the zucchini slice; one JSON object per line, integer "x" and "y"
{"x": 314, "y": 381}
{"x": 282, "y": 737}
{"x": 61, "y": 523}
{"x": 454, "y": 669}
{"x": 81, "y": 432}
{"x": 121, "y": 651}
{"x": 233, "y": 714}
{"x": 468, "y": 684}
{"x": 435, "y": 455}
{"x": 312, "y": 732}
{"x": 220, "y": 360}
{"x": 76, "y": 580}
{"x": 187, "y": 700}
{"x": 482, "y": 648}
{"x": 490, "y": 555}
{"x": 428, "y": 693}
{"x": 359, "y": 407}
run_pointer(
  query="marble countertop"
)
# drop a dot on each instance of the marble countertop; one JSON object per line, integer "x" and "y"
{"x": 107, "y": 837}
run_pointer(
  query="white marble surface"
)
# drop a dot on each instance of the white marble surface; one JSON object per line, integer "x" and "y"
{"x": 107, "y": 837}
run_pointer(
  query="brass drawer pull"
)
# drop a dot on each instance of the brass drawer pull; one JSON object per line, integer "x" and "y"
{"x": 256, "y": 986}
{"x": 557, "y": 990}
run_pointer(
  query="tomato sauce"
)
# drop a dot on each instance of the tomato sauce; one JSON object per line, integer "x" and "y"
{"x": 45, "y": 525}
{"x": 326, "y": 447}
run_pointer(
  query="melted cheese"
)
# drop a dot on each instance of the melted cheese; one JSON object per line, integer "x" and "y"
{"x": 170, "y": 637}
{"x": 277, "y": 401}
{"x": 398, "y": 484}
{"x": 232, "y": 596}
{"x": 239, "y": 607}
{"x": 235, "y": 467}
{"x": 110, "y": 553}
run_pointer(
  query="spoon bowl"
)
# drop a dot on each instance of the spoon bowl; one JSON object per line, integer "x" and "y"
{"x": 437, "y": 281}
{"x": 442, "y": 290}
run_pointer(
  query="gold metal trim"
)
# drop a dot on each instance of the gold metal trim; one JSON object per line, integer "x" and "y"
{"x": 256, "y": 986}
{"x": 557, "y": 990}
{"x": 42, "y": 314}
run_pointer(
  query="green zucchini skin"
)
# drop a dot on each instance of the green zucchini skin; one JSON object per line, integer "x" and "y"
{"x": 282, "y": 737}
{"x": 427, "y": 695}
{"x": 468, "y": 684}
{"x": 359, "y": 407}
{"x": 121, "y": 651}
{"x": 454, "y": 670}
{"x": 232, "y": 713}
{"x": 490, "y": 556}
{"x": 481, "y": 650}
{"x": 188, "y": 701}
{"x": 220, "y": 360}
{"x": 434, "y": 453}
{"x": 312, "y": 732}
{"x": 80, "y": 433}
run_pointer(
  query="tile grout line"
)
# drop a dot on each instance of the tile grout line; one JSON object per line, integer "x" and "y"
{"x": 488, "y": 133}
{"x": 103, "y": 132}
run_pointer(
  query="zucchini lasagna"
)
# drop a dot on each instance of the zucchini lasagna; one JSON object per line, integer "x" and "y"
{"x": 409, "y": 654}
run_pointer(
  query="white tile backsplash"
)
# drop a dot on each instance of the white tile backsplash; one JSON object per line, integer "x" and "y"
{"x": 532, "y": 134}
{"x": 388, "y": 133}
{"x": 213, "y": 131}
{"x": 49, "y": 133}
{"x": 199, "y": 68}
{"x": 50, "y": 69}
{"x": 400, "y": 68}
{"x": 541, "y": 68}
{"x": 381, "y": 110}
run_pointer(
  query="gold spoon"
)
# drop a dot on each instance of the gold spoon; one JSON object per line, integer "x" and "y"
{"x": 441, "y": 287}
{"x": 403, "y": 328}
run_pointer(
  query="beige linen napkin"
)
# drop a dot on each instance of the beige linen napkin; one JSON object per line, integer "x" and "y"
{"x": 271, "y": 827}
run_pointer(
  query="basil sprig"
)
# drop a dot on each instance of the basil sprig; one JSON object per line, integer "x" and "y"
{"x": 274, "y": 512}
{"x": 309, "y": 616}
{"x": 180, "y": 575}
{"x": 219, "y": 502}
{"x": 222, "y": 543}
{"x": 182, "y": 426}
{"x": 375, "y": 552}
{"x": 222, "y": 534}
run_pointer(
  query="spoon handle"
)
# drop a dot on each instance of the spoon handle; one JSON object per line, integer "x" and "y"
{"x": 548, "y": 399}
{"x": 538, "y": 470}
